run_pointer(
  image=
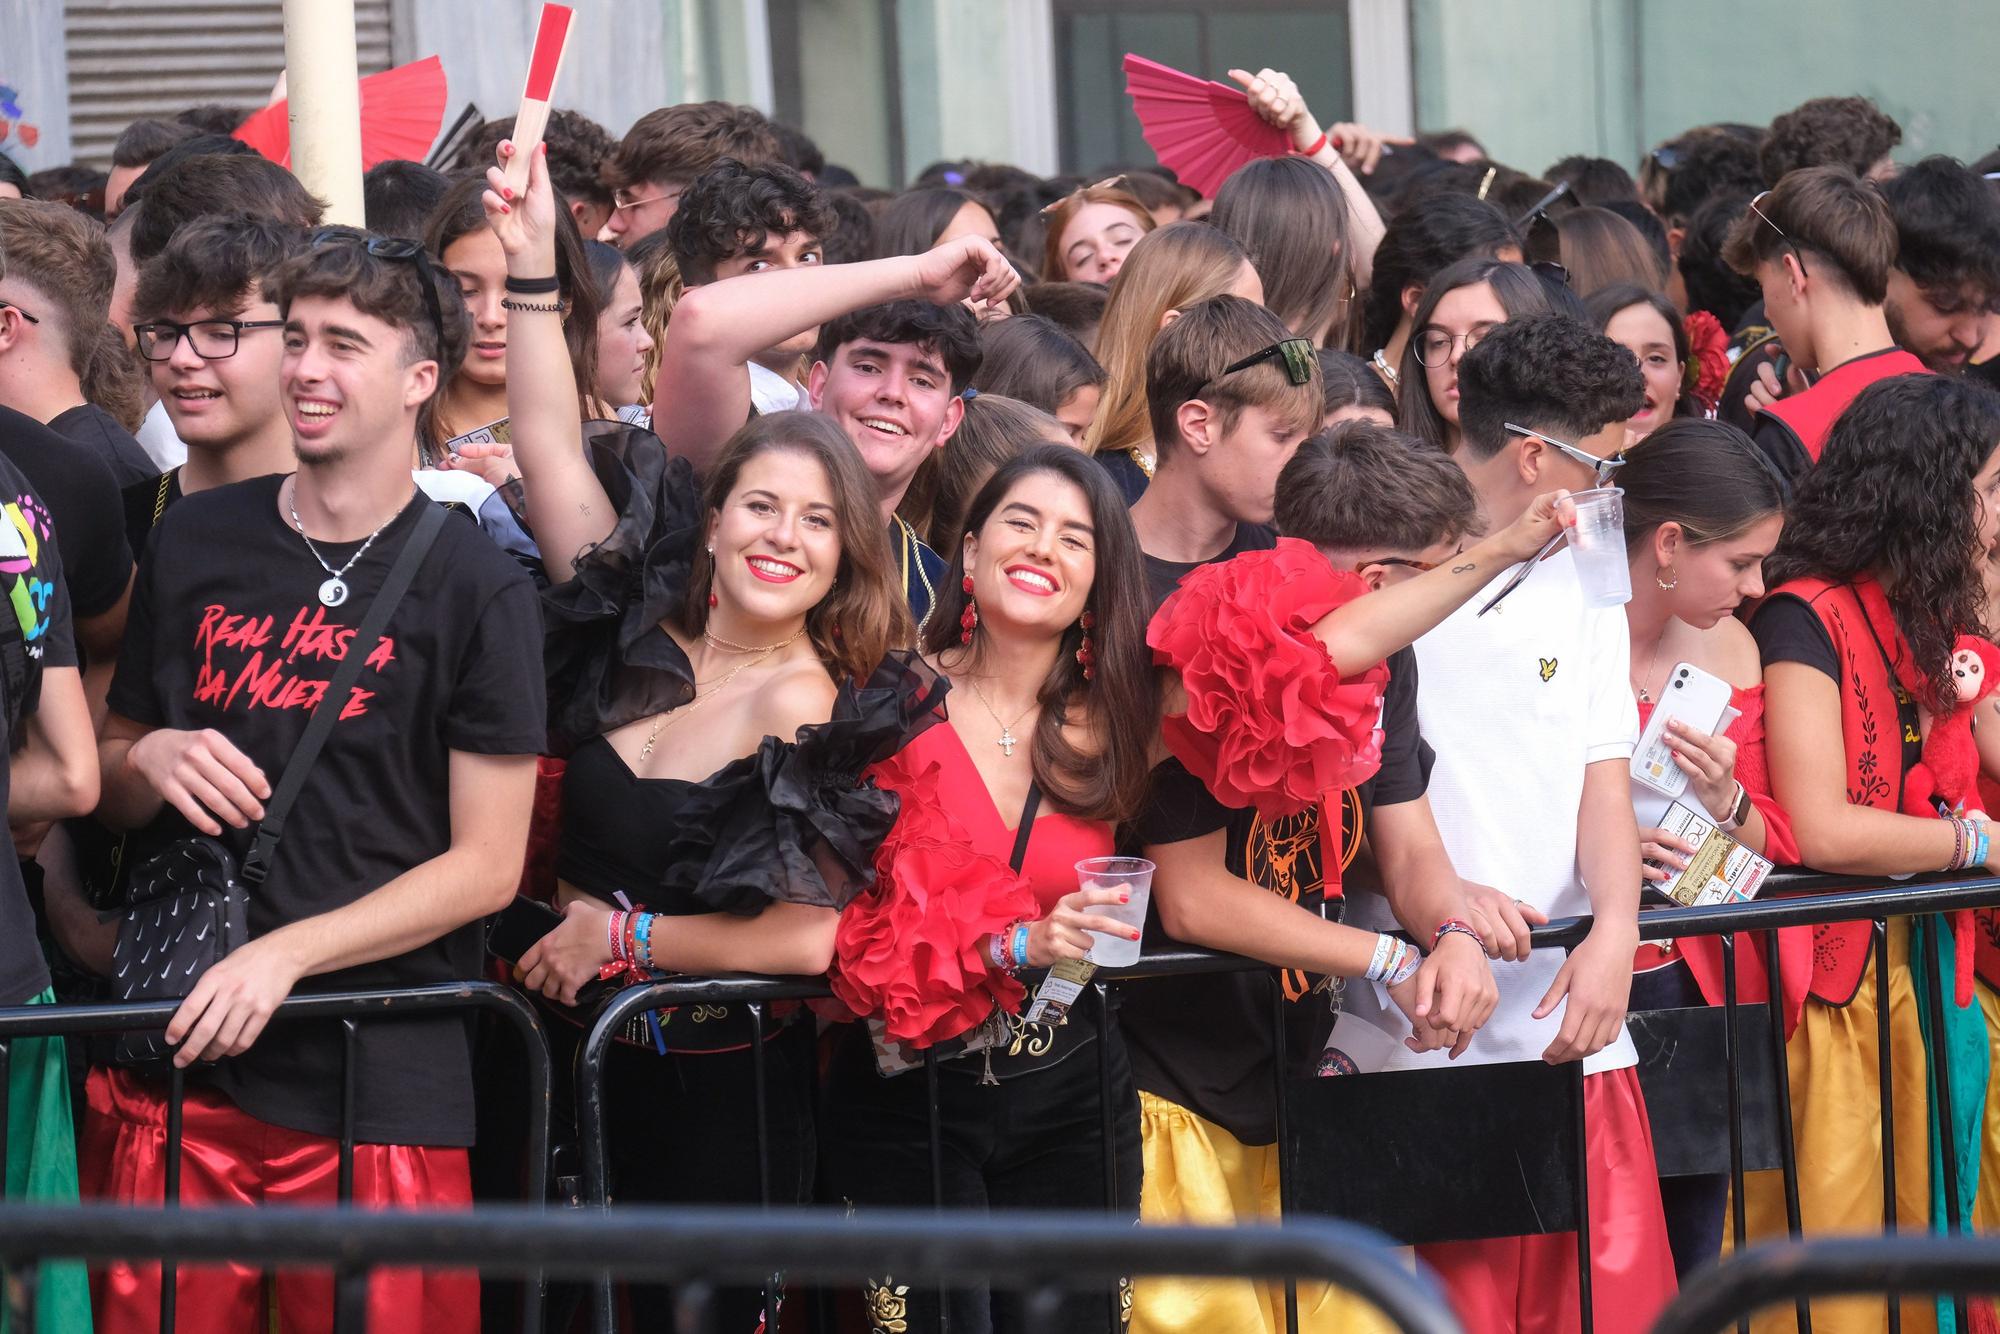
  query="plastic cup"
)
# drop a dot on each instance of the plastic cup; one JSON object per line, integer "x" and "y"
{"x": 1134, "y": 875}
{"x": 1597, "y": 545}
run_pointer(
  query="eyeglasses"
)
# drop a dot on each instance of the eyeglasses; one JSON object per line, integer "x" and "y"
{"x": 1434, "y": 346}
{"x": 1297, "y": 355}
{"x": 1790, "y": 244}
{"x": 1605, "y": 467}
{"x": 212, "y": 340}
{"x": 402, "y": 250}
{"x": 621, "y": 200}
{"x": 32, "y": 319}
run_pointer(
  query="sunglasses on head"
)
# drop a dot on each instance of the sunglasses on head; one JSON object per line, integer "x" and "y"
{"x": 1605, "y": 467}
{"x": 402, "y": 250}
{"x": 1790, "y": 244}
{"x": 1297, "y": 355}
{"x": 1117, "y": 182}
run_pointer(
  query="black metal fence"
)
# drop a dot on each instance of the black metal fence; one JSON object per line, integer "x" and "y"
{"x": 1042, "y": 1255}
{"x": 1796, "y": 1271}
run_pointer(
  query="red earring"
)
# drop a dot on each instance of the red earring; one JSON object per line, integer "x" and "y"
{"x": 1086, "y": 655}
{"x": 970, "y": 617}
{"x": 711, "y": 600}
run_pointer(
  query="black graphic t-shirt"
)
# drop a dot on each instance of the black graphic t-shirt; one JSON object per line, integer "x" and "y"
{"x": 84, "y": 501}
{"x": 31, "y": 584}
{"x": 227, "y": 631}
{"x": 1204, "y": 1042}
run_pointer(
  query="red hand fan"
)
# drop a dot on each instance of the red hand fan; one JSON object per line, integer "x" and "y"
{"x": 401, "y": 110}
{"x": 1202, "y": 129}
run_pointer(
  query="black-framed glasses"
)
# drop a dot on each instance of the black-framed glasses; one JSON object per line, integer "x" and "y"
{"x": 1434, "y": 345}
{"x": 212, "y": 340}
{"x": 32, "y": 319}
{"x": 1765, "y": 218}
{"x": 1605, "y": 467}
{"x": 1297, "y": 355}
{"x": 403, "y": 250}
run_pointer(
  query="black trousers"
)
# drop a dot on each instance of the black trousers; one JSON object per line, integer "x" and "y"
{"x": 682, "y": 1129}
{"x": 1695, "y": 1206}
{"x": 1032, "y": 1141}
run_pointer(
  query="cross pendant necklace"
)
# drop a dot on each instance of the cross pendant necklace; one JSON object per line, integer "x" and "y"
{"x": 1007, "y": 740}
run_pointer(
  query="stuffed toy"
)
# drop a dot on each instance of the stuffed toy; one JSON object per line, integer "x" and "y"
{"x": 1948, "y": 775}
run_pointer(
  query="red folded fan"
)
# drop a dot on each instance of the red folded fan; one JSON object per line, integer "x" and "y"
{"x": 1202, "y": 129}
{"x": 401, "y": 110}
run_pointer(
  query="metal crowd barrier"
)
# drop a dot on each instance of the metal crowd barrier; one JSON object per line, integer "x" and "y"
{"x": 1795, "y": 1271}
{"x": 1042, "y": 1255}
{"x": 351, "y": 1009}
{"x": 1781, "y": 906}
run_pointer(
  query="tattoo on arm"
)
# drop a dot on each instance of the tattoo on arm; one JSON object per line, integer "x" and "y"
{"x": 1466, "y": 568}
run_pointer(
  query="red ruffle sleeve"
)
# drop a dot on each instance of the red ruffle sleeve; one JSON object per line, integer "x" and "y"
{"x": 908, "y": 951}
{"x": 1270, "y": 723}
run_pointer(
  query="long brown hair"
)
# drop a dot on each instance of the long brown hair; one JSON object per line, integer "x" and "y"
{"x": 1519, "y": 292}
{"x": 1103, "y": 777}
{"x": 1170, "y": 269}
{"x": 1290, "y": 217}
{"x": 864, "y": 615}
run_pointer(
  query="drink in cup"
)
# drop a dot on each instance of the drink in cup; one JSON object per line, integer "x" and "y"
{"x": 1134, "y": 875}
{"x": 1597, "y": 545}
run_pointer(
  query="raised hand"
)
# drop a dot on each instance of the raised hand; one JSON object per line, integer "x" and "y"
{"x": 969, "y": 268}
{"x": 525, "y": 224}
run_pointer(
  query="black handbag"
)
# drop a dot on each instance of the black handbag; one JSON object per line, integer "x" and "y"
{"x": 190, "y": 903}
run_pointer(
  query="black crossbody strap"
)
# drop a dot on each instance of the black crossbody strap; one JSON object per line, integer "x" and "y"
{"x": 1027, "y": 829}
{"x": 258, "y": 863}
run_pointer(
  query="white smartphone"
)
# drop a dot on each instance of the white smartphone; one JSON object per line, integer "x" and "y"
{"x": 1698, "y": 698}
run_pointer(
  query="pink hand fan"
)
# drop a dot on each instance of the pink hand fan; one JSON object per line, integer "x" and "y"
{"x": 401, "y": 110}
{"x": 1202, "y": 129}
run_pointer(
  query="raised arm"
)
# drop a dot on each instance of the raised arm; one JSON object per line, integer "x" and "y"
{"x": 1366, "y": 630}
{"x": 701, "y": 396}
{"x": 1341, "y": 149}
{"x": 567, "y": 507}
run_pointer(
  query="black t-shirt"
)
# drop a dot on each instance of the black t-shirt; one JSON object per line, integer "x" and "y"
{"x": 1164, "y": 576}
{"x": 1787, "y": 630}
{"x": 84, "y": 501}
{"x": 115, "y": 447}
{"x": 227, "y": 632}
{"x": 146, "y": 503}
{"x": 1204, "y": 1041}
{"x": 31, "y": 583}
{"x": 1126, "y": 472}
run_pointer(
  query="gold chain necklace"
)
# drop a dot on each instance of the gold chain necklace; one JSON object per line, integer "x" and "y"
{"x": 661, "y": 720}
{"x": 717, "y": 641}
{"x": 1007, "y": 740}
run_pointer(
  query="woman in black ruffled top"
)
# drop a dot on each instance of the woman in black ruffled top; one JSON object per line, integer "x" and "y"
{"x": 720, "y": 676}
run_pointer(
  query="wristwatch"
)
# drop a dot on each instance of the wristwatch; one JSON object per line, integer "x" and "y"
{"x": 1738, "y": 813}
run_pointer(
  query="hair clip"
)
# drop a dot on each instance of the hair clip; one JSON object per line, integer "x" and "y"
{"x": 1486, "y": 181}
{"x": 969, "y": 394}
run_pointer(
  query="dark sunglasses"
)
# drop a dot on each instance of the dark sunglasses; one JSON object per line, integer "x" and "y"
{"x": 1297, "y": 355}
{"x": 402, "y": 250}
{"x": 32, "y": 319}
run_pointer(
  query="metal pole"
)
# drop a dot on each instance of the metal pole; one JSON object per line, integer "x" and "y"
{"x": 323, "y": 91}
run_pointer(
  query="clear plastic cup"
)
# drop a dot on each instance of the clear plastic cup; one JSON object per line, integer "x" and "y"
{"x": 1134, "y": 875}
{"x": 1597, "y": 545}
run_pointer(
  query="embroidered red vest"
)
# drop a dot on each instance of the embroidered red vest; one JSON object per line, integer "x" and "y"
{"x": 1811, "y": 415}
{"x": 1871, "y": 730}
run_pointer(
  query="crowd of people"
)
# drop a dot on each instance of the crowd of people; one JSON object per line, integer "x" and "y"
{"x": 825, "y": 572}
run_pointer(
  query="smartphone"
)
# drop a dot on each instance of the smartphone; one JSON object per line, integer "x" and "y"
{"x": 1695, "y": 697}
{"x": 516, "y": 927}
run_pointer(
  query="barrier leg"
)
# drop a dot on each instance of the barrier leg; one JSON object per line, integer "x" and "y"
{"x": 1732, "y": 1055}
{"x": 1788, "y": 1152}
{"x": 1586, "y": 1310}
{"x": 1933, "y": 1003}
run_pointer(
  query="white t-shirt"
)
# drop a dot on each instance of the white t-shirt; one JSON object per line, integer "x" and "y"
{"x": 156, "y": 435}
{"x": 1516, "y": 703}
{"x": 772, "y": 392}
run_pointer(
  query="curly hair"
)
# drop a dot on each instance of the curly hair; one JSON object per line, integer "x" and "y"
{"x": 212, "y": 265}
{"x": 1423, "y": 240}
{"x": 1947, "y": 226}
{"x": 1892, "y": 497}
{"x": 1548, "y": 373}
{"x": 1850, "y": 132}
{"x": 673, "y": 145}
{"x": 731, "y": 209}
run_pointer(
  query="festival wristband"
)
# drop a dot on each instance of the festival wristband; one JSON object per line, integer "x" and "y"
{"x": 1020, "y": 945}
{"x": 996, "y": 952}
{"x": 1313, "y": 149}
{"x": 615, "y": 929}
{"x": 645, "y": 940}
{"x": 1378, "y": 963}
{"x": 533, "y": 286}
{"x": 1405, "y": 966}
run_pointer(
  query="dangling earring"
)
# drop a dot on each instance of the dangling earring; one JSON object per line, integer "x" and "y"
{"x": 970, "y": 617}
{"x": 1086, "y": 655}
{"x": 1665, "y": 585}
{"x": 711, "y": 577}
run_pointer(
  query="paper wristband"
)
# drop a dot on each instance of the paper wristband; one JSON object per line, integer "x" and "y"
{"x": 551, "y": 39}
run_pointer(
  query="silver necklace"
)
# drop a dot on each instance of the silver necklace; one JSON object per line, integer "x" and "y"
{"x": 1388, "y": 372}
{"x": 333, "y": 591}
{"x": 1007, "y": 740}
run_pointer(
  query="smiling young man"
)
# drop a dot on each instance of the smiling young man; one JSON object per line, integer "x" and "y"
{"x": 1229, "y": 414}
{"x": 409, "y": 829}
{"x": 896, "y": 351}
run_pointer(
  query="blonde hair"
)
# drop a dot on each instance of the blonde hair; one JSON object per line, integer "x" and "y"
{"x": 1170, "y": 269}
{"x": 660, "y": 289}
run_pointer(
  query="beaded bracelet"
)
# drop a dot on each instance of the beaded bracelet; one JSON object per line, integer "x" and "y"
{"x": 1020, "y": 945}
{"x": 645, "y": 940}
{"x": 1960, "y": 846}
{"x": 545, "y": 307}
{"x": 1458, "y": 926}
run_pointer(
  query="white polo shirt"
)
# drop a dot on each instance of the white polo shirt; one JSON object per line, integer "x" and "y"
{"x": 1516, "y": 703}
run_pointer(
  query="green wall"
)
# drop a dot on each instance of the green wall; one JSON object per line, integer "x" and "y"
{"x": 1539, "y": 79}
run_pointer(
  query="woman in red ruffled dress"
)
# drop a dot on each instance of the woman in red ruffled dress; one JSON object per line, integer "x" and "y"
{"x": 1045, "y": 750}
{"x": 1703, "y": 510}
